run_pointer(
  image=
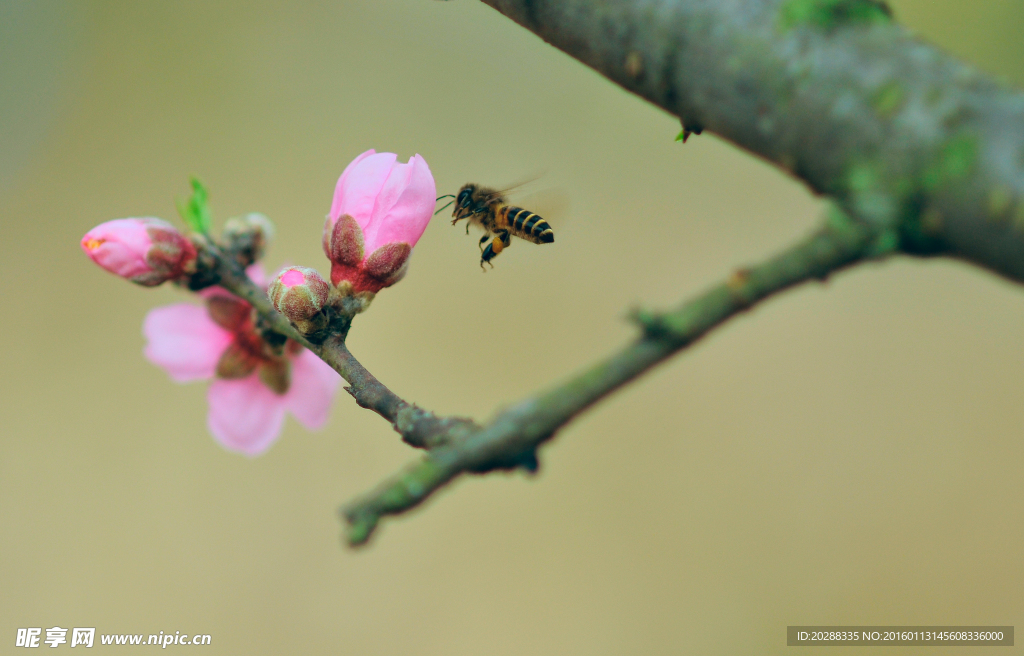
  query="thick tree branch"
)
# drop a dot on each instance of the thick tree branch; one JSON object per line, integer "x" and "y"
{"x": 512, "y": 438}
{"x": 902, "y": 134}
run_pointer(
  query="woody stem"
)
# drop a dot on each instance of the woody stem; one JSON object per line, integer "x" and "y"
{"x": 417, "y": 427}
{"x": 512, "y": 438}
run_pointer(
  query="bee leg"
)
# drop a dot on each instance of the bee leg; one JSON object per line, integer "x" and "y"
{"x": 483, "y": 240}
{"x": 506, "y": 238}
{"x": 496, "y": 246}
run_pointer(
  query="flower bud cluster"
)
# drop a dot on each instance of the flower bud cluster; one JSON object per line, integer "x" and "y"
{"x": 380, "y": 209}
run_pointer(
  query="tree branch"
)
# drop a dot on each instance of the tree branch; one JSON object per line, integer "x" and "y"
{"x": 512, "y": 438}
{"x": 922, "y": 153}
{"x": 417, "y": 427}
{"x": 901, "y": 134}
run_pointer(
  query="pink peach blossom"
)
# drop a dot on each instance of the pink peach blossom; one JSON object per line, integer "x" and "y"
{"x": 147, "y": 251}
{"x": 381, "y": 208}
{"x": 246, "y": 413}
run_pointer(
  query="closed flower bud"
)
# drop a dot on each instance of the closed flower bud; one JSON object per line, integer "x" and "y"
{"x": 381, "y": 208}
{"x": 300, "y": 293}
{"x": 146, "y": 251}
{"x": 247, "y": 237}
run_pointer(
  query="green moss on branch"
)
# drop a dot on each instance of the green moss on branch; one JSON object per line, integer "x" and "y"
{"x": 832, "y": 14}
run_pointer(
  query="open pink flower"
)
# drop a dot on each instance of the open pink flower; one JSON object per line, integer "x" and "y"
{"x": 381, "y": 208}
{"x": 147, "y": 251}
{"x": 254, "y": 385}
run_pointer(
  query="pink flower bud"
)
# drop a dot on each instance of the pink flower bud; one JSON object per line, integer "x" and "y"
{"x": 146, "y": 251}
{"x": 381, "y": 208}
{"x": 298, "y": 293}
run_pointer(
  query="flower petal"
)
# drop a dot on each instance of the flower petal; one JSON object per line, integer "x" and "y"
{"x": 405, "y": 207}
{"x": 312, "y": 390}
{"x": 359, "y": 185}
{"x": 184, "y": 341}
{"x": 120, "y": 246}
{"x": 245, "y": 416}
{"x": 257, "y": 274}
{"x": 353, "y": 164}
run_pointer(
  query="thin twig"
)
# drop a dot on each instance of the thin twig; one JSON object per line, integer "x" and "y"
{"x": 417, "y": 427}
{"x": 512, "y": 438}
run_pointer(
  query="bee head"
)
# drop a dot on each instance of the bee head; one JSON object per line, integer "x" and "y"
{"x": 455, "y": 200}
{"x": 463, "y": 201}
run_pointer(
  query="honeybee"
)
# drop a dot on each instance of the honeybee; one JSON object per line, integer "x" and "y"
{"x": 488, "y": 209}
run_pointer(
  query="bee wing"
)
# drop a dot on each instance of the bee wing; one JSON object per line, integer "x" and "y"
{"x": 514, "y": 187}
{"x": 551, "y": 204}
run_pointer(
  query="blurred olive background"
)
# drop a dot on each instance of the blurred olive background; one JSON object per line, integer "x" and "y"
{"x": 848, "y": 453}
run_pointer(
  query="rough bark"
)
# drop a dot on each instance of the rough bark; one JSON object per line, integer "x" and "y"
{"x": 899, "y": 132}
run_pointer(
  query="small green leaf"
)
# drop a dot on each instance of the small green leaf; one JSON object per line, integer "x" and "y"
{"x": 689, "y": 127}
{"x": 196, "y": 210}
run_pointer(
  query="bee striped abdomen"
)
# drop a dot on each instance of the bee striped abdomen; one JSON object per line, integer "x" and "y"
{"x": 528, "y": 225}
